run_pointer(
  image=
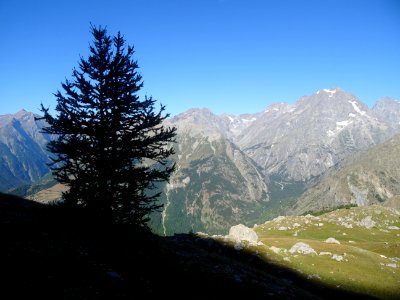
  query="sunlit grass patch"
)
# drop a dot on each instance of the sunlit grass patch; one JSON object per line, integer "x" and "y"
{"x": 363, "y": 257}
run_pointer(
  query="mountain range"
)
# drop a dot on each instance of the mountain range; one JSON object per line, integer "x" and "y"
{"x": 251, "y": 167}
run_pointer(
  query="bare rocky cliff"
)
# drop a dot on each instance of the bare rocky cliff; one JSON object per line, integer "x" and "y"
{"x": 371, "y": 177}
{"x": 22, "y": 150}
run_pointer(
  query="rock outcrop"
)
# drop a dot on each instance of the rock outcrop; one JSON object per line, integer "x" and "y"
{"x": 240, "y": 233}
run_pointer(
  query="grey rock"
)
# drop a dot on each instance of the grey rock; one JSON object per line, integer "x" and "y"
{"x": 241, "y": 233}
{"x": 367, "y": 222}
{"x": 332, "y": 240}
{"x": 302, "y": 248}
{"x": 337, "y": 257}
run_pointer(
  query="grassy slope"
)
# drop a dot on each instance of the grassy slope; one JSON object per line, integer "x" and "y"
{"x": 371, "y": 257}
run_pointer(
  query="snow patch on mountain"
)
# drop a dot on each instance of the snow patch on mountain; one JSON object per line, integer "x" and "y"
{"x": 339, "y": 127}
{"x": 343, "y": 123}
{"x": 356, "y": 108}
{"x": 330, "y": 91}
{"x": 249, "y": 120}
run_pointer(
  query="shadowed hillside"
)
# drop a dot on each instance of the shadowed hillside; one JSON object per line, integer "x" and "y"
{"x": 42, "y": 257}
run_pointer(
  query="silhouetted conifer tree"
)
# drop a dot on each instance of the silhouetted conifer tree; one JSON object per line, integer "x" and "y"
{"x": 111, "y": 147}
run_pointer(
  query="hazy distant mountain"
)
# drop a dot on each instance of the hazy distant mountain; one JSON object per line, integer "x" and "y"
{"x": 22, "y": 150}
{"x": 238, "y": 125}
{"x": 372, "y": 177}
{"x": 303, "y": 140}
{"x": 387, "y": 110}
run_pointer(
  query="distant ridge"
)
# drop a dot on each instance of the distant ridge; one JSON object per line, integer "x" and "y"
{"x": 231, "y": 169}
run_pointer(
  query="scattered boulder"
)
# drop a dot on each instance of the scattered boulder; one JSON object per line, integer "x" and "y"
{"x": 337, "y": 257}
{"x": 332, "y": 240}
{"x": 278, "y": 219}
{"x": 302, "y": 248}
{"x": 217, "y": 236}
{"x": 202, "y": 234}
{"x": 282, "y": 228}
{"x": 286, "y": 258}
{"x": 313, "y": 276}
{"x": 325, "y": 253}
{"x": 276, "y": 249}
{"x": 393, "y": 228}
{"x": 367, "y": 222}
{"x": 239, "y": 233}
{"x": 347, "y": 225}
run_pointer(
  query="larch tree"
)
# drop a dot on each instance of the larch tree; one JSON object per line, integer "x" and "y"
{"x": 110, "y": 148}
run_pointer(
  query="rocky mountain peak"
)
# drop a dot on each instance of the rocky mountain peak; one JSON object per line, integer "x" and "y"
{"x": 278, "y": 108}
{"x": 22, "y": 112}
{"x": 387, "y": 110}
{"x": 384, "y": 101}
{"x": 200, "y": 121}
{"x": 331, "y": 91}
{"x": 197, "y": 115}
{"x": 331, "y": 99}
{"x": 27, "y": 118}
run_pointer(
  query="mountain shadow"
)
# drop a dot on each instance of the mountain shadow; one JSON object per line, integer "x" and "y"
{"x": 47, "y": 253}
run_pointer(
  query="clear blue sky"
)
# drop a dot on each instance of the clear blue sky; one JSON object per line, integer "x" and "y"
{"x": 228, "y": 55}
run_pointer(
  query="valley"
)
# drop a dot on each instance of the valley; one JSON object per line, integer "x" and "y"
{"x": 318, "y": 153}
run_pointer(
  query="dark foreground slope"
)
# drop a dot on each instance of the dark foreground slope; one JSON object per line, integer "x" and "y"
{"x": 42, "y": 257}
